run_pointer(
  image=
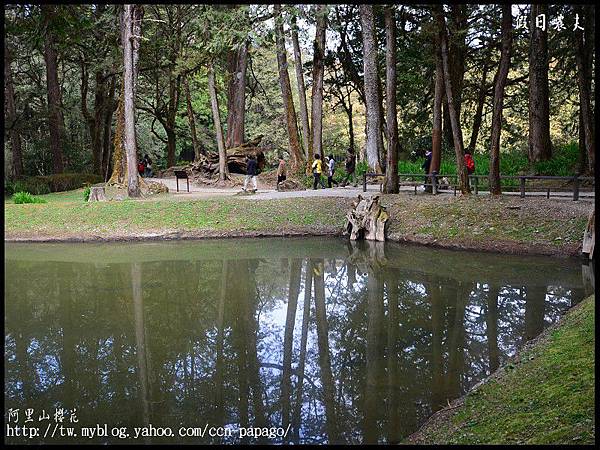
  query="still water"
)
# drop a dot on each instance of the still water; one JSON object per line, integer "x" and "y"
{"x": 331, "y": 340}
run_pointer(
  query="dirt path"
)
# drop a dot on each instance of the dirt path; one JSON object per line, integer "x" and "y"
{"x": 263, "y": 193}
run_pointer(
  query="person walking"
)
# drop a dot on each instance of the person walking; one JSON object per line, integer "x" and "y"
{"x": 317, "y": 168}
{"x": 251, "y": 169}
{"x": 281, "y": 170}
{"x": 350, "y": 168}
{"x": 331, "y": 171}
{"x": 148, "y": 167}
{"x": 426, "y": 165}
{"x": 142, "y": 168}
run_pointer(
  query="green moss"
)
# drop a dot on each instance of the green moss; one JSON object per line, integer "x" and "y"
{"x": 546, "y": 396}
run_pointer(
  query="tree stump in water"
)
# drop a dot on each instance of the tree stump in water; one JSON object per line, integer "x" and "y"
{"x": 589, "y": 237}
{"x": 367, "y": 219}
{"x": 97, "y": 194}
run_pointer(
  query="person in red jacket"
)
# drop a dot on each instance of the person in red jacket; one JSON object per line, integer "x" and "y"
{"x": 469, "y": 162}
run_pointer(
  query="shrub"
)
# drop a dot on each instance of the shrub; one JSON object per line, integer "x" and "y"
{"x": 39, "y": 185}
{"x": 26, "y": 197}
{"x": 68, "y": 181}
{"x": 86, "y": 193}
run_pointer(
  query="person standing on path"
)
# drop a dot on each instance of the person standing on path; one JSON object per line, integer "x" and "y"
{"x": 330, "y": 171}
{"x": 350, "y": 168}
{"x": 148, "y": 167}
{"x": 426, "y": 165}
{"x": 281, "y": 170}
{"x": 251, "y": 167}
{"x": 317, "y": 168}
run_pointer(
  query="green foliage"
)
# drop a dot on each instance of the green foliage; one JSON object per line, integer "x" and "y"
{"x": 40, "y": 185}
{"x": 86, "y": 193}
{"x": 563, "y": 162}
{"x": 29, "y": 184}
{"x": 26, "y": 197}
{"x": 512, "y": 163}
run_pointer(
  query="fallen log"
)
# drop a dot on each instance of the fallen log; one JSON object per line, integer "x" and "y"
{"x": 207, "y": 165}
{"x": 367, "y": 219}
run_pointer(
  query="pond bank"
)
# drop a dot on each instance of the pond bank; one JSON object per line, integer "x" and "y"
{"x": 505, "y": 225}
{"x": 543, "y": 395}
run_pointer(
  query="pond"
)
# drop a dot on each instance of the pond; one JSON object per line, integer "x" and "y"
{"x": 331, "y": 340}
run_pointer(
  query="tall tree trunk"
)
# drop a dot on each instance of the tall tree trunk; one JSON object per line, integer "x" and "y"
{"x": 479, "y": 110}
{"x": 540, "y": 147}
{"x": 174, "y": 89}
{"x": 499, "y": 99}
{"x": 436, "y": 134}
{"x": 301, "y": 89}
{"x": 192, "y": 120}
{"x": 349, "y": 113}
{"x": 55, "y": 117}
{"x": 583, "y": 56}
{"x": 288, "y": 339}
{"x": 457, "y": 50}
{"x": 302, "y": 357}
{"x": 236, "y": 104}
{"x": 331, "y": 423}
{"x": 318, "y": 72}
{"x": 107, "y": 127}
{"x": 11, "y": 117}
{"x": 214, "y": 104}
{"x": 171, "y": 146}
{"x": 461, "y": 169}
{"x": 371, "y": 92}
{"x": 129, "y": 144}
{"x": 286, "y": 93}
{"x": 391, "y": 174}
{"x": 119, "y": 161}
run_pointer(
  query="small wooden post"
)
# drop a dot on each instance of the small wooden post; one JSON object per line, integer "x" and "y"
{"x": 476, "y": 185}
{"x": 522, "y": 182}
{"x": 365, "y": 182}
{"x": 548, "y": 193}
{"x": 589, "y": 237}
{"x": 177, "y": 181}
{"x": 575, "y": 188}
{"x": 97, "y": 194}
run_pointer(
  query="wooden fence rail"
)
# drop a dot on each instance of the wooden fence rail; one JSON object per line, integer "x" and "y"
{"x": 474, "y": 181}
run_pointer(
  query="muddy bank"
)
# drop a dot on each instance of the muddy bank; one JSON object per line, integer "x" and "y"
{"x": 499, "y": 246}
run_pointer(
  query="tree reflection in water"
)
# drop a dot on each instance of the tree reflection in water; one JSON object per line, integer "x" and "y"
{"x": 348, "y": 343}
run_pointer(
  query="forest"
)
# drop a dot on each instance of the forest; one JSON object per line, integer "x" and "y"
{"x": 90, "y": 89}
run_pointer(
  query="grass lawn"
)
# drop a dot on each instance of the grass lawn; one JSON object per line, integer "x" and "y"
{"x": 473, "y": 222}
{"x": 545, "y": 396}
{"x": 67, "y": 213}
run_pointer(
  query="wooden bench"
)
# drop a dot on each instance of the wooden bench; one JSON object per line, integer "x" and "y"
{"x": 183, "y": 175}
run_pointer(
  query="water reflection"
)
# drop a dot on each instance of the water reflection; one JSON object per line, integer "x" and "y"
{"x": 343, "y": 343}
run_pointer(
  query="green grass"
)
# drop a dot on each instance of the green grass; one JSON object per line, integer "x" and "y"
{"x": 68, "y": 213}
{"x": 544, "y": 396}
{"x": 475, "y": 220}
{"x": 534, "y": 221}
